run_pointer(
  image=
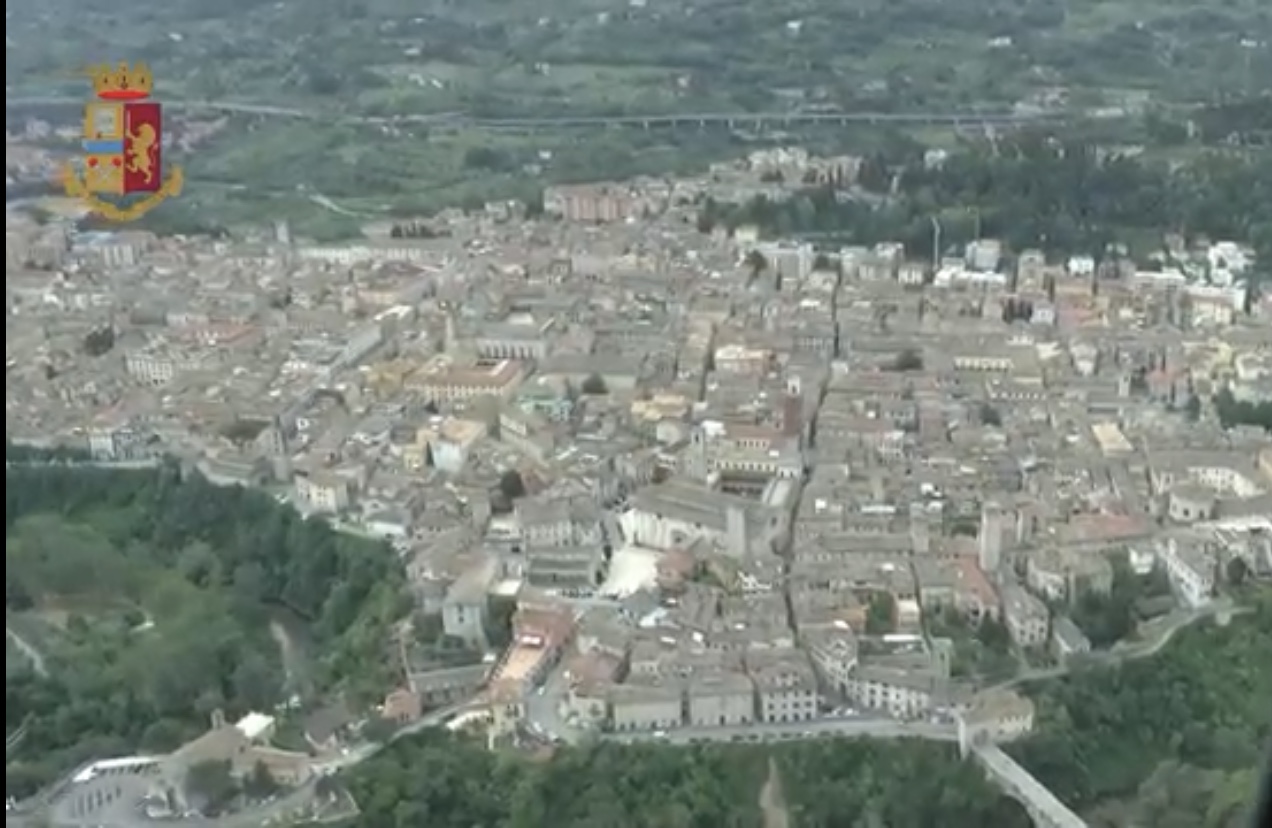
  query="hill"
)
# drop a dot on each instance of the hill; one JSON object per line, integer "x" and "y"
{"x": 149, "y": 597}
{"x": 1173, "y": 740}
{"x": 593, "y": 56}
{"x": 485, "y": 58}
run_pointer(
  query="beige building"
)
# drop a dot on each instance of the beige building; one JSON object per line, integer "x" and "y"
{"x": 1028, "y": 619}
{"x": 243, "y": 744}
{"x": 834, "y": 655}
{"x": 647, "y": 705}
{"x": 591, "y": 673}
{"x": 1062, "y": 575}
{"x": 445, "y": 379}
{"x": 785, "y": 685}
{"x": 904, "y": 691}
{"x": 322, "y": 492}
{"x": 995, "y": 716}
{"x": 720, "y": 699}
{"x": 594, "y": 202}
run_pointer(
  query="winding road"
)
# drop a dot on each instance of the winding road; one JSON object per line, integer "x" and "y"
{"x": 1129, "y": 651}
{"x": 33, "y": 655}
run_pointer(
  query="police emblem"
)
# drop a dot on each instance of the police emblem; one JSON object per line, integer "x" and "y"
{"x": 123, "y": 147}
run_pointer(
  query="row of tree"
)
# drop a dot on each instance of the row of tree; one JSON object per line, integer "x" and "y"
{"x": 444, "y": 781}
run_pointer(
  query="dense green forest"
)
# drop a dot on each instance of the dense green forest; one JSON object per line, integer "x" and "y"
{"x": 445, "y": 781}
{"x": 1180, "y": 732}
{"x": 149, "y": 595}
{"x": 1031, "y": 191}
{"x": 1233, "y": 412}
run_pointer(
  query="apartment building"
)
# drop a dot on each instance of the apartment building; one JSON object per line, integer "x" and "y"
{"x": 785, "y": 684}
{"x": 1028, "y": 619}
{"x": 444, "y": 379}
{"x": 649, "y": 704}
{"x": 720, "y": 698}
{"x": 904, "y": 688}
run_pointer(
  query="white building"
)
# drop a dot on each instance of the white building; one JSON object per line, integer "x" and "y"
{"x": 1191, "y": 567}
{"x": 1028, "y": 619}
{"x": 786, "y": 686}
{"x": 647, "y": 705}
{"x": 834, "y": 655}
{"x": 902, "y": 691}
{"x": 995, "y": 716}
{"x": 675, "y": 514}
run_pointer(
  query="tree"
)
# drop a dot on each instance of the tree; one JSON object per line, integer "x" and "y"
{"x": 756, "y": 263}
{"x": 511, "y": 485}
{"x": 881, "y": 614}
{"x": 1234, "y": 412}
{"x": 1237, "y": 571}
{"x": 989, "y": 416}
{"x": 379, "y": 730}
{"x": 873, "y": 174}
{"x": 994, "y": 634}
{"x": 260, "y": 783}
{"x": 498, "y": 621}
{"x": 210, "y": 785}
{"x": 594, "y": 385}
{"x": 486, "y": 158}
{"x": 99, "y": 341}
{"x": 16, "y": 596}
{"x": 902, "y": 784}
{"x": 1192, "y": 408}
{"x": 908, "y": 360}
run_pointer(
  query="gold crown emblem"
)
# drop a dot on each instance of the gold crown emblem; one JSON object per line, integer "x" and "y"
{"x": 122, "y": 82}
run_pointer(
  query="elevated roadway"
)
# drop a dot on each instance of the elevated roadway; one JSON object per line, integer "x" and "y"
{"x": 874, "y": 728}
{"x": 1044, "y": 807}
{"x": 973, "y": 117}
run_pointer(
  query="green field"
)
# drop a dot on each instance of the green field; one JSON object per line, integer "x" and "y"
{"x": 595, "y": 57}
{"x": 590, "y": 55}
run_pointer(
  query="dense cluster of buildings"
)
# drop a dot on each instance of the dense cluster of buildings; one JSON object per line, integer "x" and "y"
{"x": 723, "y": 479}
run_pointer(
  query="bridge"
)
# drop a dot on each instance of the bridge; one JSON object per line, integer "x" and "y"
{"x": 1044, "y": 807}
{"x": 734, "y": 120}
{"x": 701, "y": 120}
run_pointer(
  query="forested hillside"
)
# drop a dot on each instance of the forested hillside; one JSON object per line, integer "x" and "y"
{"x": 445, "y": 781}
{"x": 1030, "y": 191}
{"x": 1176, "y": 737}
{"x": 149, "y": 597}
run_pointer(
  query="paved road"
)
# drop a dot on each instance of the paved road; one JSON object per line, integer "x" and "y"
{"x": 28, "y": 649}
{"x": 1130, "y": 650}
{"x": 878, "y": 728}
{"x": 30, "y": 814}
{"x": 361, "y": 753}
